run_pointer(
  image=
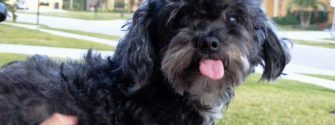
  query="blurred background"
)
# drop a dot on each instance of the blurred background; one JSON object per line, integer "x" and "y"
{"x": 304, "y": 95}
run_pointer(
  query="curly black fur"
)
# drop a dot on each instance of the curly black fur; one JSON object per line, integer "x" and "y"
{"x": 153, "y": 77}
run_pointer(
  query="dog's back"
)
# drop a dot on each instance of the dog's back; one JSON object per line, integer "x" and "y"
{"x": 30, "y": 91}
{"x": 33, "y": 90}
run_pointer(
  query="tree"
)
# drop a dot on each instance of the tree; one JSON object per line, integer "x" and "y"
{"x": 305, "y": 9}
{"x": 119, "y": 6}
{"x": 131, "y": 5}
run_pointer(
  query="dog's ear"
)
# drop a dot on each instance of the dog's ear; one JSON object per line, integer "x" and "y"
{"x": 275, "y": 55}
{"x": 275, "y": 52}
{"x": 134, "y": 53}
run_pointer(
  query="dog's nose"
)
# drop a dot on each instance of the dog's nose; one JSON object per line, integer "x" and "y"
{"x": 209, "y": 45}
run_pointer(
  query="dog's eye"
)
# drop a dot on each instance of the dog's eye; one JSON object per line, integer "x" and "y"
{"x": 232, "y": 19}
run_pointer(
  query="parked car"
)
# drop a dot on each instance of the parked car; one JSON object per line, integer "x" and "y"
{"x": 3, "y": 12}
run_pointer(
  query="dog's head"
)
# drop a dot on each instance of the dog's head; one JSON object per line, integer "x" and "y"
{"x": 200, "y": 46}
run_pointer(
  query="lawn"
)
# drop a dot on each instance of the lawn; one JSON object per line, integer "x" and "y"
{"x": 7, "y": 57}
{"x": 320, "y": 44}
{"x": 283, "y": 103}
{"x": 14, "y": 35}
{"x": 289, "y": 28}
{"x": 109, "y": 37}
{"x": 87, "y": 15}
{"x": 329, "y": 77}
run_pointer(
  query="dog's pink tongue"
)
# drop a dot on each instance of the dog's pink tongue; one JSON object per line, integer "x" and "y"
{"x": 213, "y": 69}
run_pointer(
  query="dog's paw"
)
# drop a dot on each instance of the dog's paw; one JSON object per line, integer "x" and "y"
{"x": 59, "y": 119}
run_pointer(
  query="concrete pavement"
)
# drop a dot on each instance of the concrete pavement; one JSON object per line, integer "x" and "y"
{"x": 316, "y": 36}
{"x": 311, "y": 80}
{"x": 49, "y": 51}
{"x": 295, "y": 72}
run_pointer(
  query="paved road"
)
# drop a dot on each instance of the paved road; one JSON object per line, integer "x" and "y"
{"x": 103, "y": 27}
{"x": 313, "y": 57}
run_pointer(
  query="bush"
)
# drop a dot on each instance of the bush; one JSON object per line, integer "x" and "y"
{"x": 318, "y": 17}
{"x": 119, "y": 5}
{"x": 79, "y": 5}
{"x": 289, "y": 19}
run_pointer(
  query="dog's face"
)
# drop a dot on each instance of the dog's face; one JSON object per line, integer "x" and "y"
{"x": 211, "y": 44}
{"x": 201, "y": 46}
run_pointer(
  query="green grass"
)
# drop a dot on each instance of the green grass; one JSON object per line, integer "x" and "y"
{"x": 284, "y": 103}
{"x": 319, "y": 44}
{"x": 87, "y": 15}
{"x": 109, "y": 37}
{"x": 10, "y": 57}
{"x": 14, "y": 35}
{"x": 329, "y": 77}
{"x": 298, "y": 28}
{"x": 7, "y": 57}
{"x": 332, "y": 39}
{"x": 288, "y": 28}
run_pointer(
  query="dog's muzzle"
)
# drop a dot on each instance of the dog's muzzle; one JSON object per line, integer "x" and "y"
{"x": 211, "y": 68}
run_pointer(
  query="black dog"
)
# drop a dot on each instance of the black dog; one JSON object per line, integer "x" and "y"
{"x": 178, "y": 65}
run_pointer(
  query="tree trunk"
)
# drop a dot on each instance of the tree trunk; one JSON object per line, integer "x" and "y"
{"x": 71, "y": 5}
{"x": 305, "y": 19}
{"x": 122, "y": 12}
{"x": 131, "y": 5}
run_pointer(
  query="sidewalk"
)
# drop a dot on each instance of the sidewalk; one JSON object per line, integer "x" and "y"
{"x": 312, "y": 80}
{"x": 316, "y": 36}
{"x": 294, "y": 72}
{"x": 49, "y": 51}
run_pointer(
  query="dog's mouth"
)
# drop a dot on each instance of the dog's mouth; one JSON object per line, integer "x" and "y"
{"x": 211, "y": 68}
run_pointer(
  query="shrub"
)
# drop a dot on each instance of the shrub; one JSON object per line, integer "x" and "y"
{"x": 119, "y": 5}
{"x": 289, "y": 19}
{"x": 318, "y": 17}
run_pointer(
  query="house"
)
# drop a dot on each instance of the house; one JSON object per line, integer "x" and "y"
{"x": 31, "y": 5}
{"x": 278, "y": 8}
{"x": 130, "y": 5}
